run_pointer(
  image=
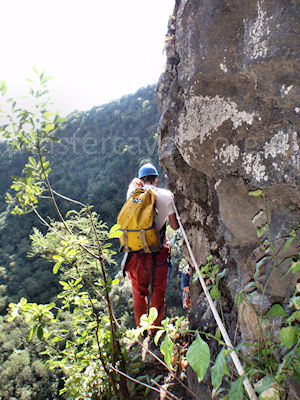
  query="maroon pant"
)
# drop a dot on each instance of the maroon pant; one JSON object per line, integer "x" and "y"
{"x": 139, "y": 268}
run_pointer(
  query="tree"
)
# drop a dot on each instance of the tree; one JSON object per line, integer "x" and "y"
{"x": 78, "y": 241}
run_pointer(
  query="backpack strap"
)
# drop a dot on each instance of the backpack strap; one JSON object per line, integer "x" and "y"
{"x": 144, "y": 241}
{"x": 125, "y": 261}
{"x": 162, "y": 233}
{"x": 125, "y": 238}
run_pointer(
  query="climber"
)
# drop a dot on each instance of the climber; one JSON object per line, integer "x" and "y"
{"x": 185, "y": 286}
{"x": 151, "y": 270}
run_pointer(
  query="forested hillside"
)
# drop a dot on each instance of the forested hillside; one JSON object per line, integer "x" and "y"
{"x": 98, "y": 154}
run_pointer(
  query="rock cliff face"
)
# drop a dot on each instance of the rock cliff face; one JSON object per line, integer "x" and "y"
{"x": 230, "y": 107}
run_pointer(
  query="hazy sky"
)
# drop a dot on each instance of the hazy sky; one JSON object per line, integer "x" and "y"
{"x": 98, "y": 50}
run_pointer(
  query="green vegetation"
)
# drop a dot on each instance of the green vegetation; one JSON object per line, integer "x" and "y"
{"x": 275, "y": 357}
{"x": 98, "y": 154}
{"x": 81, "y": 330}
{"x": 24, "y": 374}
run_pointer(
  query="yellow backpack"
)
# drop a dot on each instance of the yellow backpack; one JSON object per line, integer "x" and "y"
{"x": 136, "y": 219}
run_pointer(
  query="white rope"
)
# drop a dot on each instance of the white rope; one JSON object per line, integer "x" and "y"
{"x": 222, "y": 328}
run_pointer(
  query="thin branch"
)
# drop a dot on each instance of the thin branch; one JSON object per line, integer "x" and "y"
{"x": 47, "y": 224}
{"x": 170, "y": 371}
{"x": 139, "y": 382}
{"x": 68, "y": 199}
{"x": 164, "y": 390}
{"x": 59, "y": 235}
{"x": 101, "y": 356}
{"x": 114, "y": 341}
{"x": 99, "y": 247}
{"x": 54, "y": 348}
{"x": 93, "y": 287}
{"x": 47, "y": 182}
{"x": 284, "y": 237}
{"x": 100, "y": 257}
{"x": 287, "y": 359}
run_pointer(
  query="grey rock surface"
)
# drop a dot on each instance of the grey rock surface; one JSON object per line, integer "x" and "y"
{"x": 230, "y": 106}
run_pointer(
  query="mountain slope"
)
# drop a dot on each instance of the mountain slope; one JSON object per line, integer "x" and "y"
{"x": 99, "y": 153}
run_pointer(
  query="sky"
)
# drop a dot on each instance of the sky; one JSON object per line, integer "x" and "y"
{"x": 97, "y": 50}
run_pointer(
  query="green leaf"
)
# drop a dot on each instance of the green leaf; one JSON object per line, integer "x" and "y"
{"x": 264, "y": 384}
{"x": 54, "y": 139}
{"x": 49, "y": 127}
{"x": 262, "y": 261}
{"x": 32, "y": 332}
{"x": 218, "y": 370}
{"x": 152, "y": 315}
{"x": 56, "y": 267}
{"x": 158, "y": 335}
{"x": 289, "y": 335}
{"x": 257, "y": 216}
{"x": 198, "y": 356}
{"x": 147, "y": 320}
{"x": 288, "y": 243}
{"x": 58, "y": 258}
{"x": 23, "y": 301}
{"x": 3, "y": 87}
{"x": 294, "y": 317}
{"x": 295, "y": 267}
{"x": 221, "y": 274}
{"x": 261, "y": 231}
{"x": 56, "y": 339}
{"x": 195, "y": 277}
{"x": 115, "y": 232}
{"x": 165, "y": 323}
{"x": 296, "y": 301}
{"x": 77, "y": 281}
{"x": 49, "y": 306}
{"x": 265, "y": 246}
{"x": 178, "y": 322}
{"x": 32, "y": 161}
{"x": 215, "y": 293}
{"x": 276, "y": 311}
{"x": 218, "y": 334}
{"x": 47, "y": 114}
{"x": 256, "y": 193}
{"x": 8, "y": 197}
{"x": 269, "y": 394}
{"x": 257, "y": 270}
{"x": 115, "y": 228}
{"x": 167, "y": 349}
{"x": 40, "y": 332}
{"x": 45, "y": 78}
{"x": 236, "y": 390}
{"x": 114, "y": 235}
{"x": 35, "y": 71}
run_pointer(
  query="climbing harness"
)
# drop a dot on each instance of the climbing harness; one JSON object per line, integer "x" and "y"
{"x": 216, "y": 315}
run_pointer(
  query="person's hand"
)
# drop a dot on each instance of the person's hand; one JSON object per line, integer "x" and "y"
{"x": 136, "y": 182}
